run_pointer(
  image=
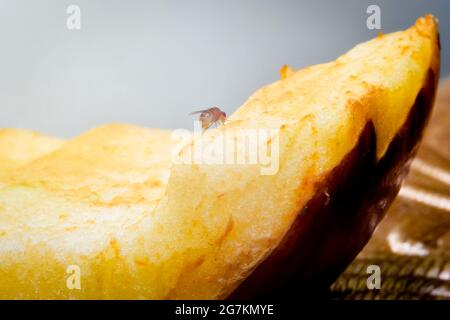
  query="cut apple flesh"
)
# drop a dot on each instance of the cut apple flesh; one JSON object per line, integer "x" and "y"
{"x": 20, "y": 147}
{"x": 105, "y": 203}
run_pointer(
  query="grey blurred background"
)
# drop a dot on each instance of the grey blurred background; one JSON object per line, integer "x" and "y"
{"x": 150, "y": 63}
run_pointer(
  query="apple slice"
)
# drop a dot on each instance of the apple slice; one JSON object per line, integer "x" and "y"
{"x": 348, "y": 129}
{"x": 344, "y": 134}
{"x": 75, "y": 207}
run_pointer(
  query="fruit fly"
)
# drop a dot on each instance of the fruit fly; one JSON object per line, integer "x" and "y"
{"x": 210, "y": 116}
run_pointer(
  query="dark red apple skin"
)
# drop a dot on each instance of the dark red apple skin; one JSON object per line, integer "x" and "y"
{"x": 339, "y": 220}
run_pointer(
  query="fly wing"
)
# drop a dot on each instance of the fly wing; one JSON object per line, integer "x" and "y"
{"x": 199, "y": 111}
